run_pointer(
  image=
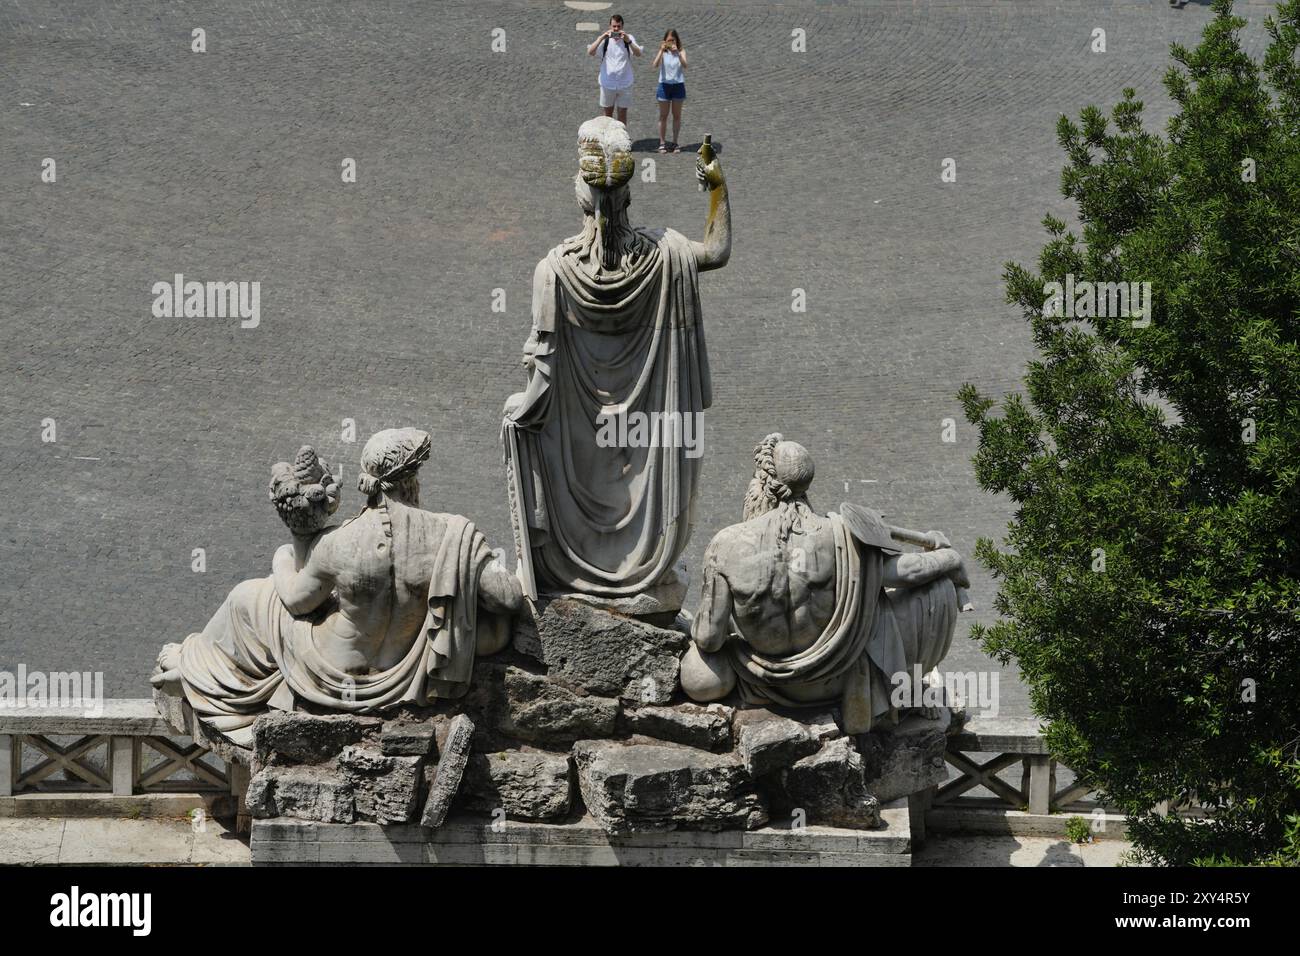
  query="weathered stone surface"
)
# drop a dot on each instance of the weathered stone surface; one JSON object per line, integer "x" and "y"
{"x": 659, "y": 603}
{"x": 708, "y": 728}
{"x": 823, "y": 727}
{"x": 830, "y": 787}
{"x": 544, "y": 710}
{"x": 307, "y": 738}
{"x": 906, "y": 759}
{"x": 305, "y": 792}
{"x": 769, "y": 742}
{"x": 604, "y": 653}
{"x": 445, "y": 781}
{"x": 639, "y": 787}
{"x": 386, "y": 789}
{"x": 409, "y": 739}
{"x": 527, "y": 785}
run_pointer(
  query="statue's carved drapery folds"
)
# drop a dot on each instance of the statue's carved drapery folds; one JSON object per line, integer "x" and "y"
{"x": 388, "y": 608}
{"x": 602, "y": 446}
{"x": 801, "y": 609}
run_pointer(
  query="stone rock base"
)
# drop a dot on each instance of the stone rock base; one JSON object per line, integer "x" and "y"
{"x": 582, "y": 718}
{"x": 467, "y": 840}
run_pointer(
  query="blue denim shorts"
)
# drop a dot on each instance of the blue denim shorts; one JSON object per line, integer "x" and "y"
{"x": 670, "y": 91}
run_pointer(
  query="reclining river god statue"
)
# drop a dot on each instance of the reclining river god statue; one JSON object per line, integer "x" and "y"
{"x": 388, "y": 608}
{"x": 804, "y": 609}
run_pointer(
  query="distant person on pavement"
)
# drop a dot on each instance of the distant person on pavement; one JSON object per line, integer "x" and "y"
{"x": 615, "y": 47}
{"x": 671, "y": 92}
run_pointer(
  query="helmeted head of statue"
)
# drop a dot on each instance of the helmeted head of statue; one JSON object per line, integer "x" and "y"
{"x": 604, "y": 153}
{"x": 390, "y": 460}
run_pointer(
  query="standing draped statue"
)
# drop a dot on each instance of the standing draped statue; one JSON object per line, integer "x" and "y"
{"x": 602, "y": 447}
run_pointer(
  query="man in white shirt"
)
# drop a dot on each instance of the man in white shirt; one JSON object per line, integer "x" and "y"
{"x": 615, "y": 47}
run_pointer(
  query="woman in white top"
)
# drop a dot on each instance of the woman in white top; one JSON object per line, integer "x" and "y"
{"x": 671, "y": 92}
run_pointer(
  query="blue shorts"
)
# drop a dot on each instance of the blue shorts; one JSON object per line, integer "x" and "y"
{"x": 670, "y": 91}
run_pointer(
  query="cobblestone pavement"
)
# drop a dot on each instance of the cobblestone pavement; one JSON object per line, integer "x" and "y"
{"x": 376, "y": 296}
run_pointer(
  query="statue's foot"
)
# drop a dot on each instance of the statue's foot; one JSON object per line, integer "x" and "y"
{"x": 706, "y": 677}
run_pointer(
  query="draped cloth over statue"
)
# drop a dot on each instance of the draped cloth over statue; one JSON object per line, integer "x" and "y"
{"x": 255, "y": 654}
{"x": 872, "y": 634}
{"x": 608, "y": 520}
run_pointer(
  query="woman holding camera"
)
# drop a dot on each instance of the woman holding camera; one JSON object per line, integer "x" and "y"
{"x": 671, "y": 92}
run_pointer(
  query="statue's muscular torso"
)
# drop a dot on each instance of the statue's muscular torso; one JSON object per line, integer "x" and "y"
{"x": 381, "y": 585}
{"x": 782, "y": 599}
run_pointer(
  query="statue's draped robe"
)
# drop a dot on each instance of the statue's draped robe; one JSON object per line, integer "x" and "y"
{"x": 254, "y": 654}
{"x": 873, "y": 634}
{"x": 607, "y": 520}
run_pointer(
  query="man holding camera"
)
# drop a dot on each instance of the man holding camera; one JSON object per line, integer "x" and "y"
{"x": 616, "y": 48}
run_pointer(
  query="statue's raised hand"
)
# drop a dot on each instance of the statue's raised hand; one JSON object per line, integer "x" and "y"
{"x": 305, "y": 493}
{"x": 709, "y": 175}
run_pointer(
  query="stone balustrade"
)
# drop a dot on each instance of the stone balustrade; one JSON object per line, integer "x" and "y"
{"x": 123, "y": 751}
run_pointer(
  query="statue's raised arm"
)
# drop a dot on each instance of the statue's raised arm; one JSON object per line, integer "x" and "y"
{"x": 715, "y": 250}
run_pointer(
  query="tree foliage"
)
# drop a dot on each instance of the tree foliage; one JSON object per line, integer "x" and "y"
{"x": 1148, "y": 582}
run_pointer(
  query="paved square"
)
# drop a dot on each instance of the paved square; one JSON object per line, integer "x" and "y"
{"x": 376, "y": 296}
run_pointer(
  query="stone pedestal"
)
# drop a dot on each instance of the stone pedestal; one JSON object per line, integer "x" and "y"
{"x": 476, "y": 841}
{"x": 576, "y": 744}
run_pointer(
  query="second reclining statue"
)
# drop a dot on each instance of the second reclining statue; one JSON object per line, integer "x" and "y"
{"x": 804, "y": 609}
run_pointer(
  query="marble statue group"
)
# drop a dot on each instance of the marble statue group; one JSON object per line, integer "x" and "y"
{"x": 392, "y": 607}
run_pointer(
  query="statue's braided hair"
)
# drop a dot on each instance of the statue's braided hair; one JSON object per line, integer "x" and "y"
{"x": 765, "y": 492}
{"x": 781, "y": 478}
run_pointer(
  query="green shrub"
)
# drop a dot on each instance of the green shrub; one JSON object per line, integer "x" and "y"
{"x": 1148, "y": 584}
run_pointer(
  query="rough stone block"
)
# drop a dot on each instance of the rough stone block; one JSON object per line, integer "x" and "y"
{"x": 307, "y": 738}
{"x": 606, "y": 654}
{"x": 308, "y": 793}
{"x": 527, "y": 785}
{"x": 543, "y": 710}
{"x": 409, "y": 739}
{"x": 694, "y": 725}
{"x": 386, "y": 789}
{"x": 446, "y": 779}
{"x": 639, "y": 788}
{"x": 905, "y": 759}
{"x": 830, "y": 787}
{"x": 768, "y": 742}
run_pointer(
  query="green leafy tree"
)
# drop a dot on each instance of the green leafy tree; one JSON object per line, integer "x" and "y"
{"x": 1148, "y": 582}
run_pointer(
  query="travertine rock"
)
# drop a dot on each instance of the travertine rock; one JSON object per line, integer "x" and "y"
{"x": 639, "y": 787}
{"x": 543, "y": 710}
{"x": 708, "y": 728}
{"x": 604, "y": 653}
{"x": 445, "y": 781}
{"x": 386, "y": 789}
{"x": 409, "y": 739}
{"x": 307, "y": 738}
{"x": 527, "y": 785}
{"x": 829, "y": 786}
{"x": 768, "y": 741}
{"x": 908, "y": 758}
{"x": 305, "y": 792}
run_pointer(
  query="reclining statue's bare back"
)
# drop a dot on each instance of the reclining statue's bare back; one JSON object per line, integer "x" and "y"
{"x": 782, "y": 598}
{"x": 381, "y": 581}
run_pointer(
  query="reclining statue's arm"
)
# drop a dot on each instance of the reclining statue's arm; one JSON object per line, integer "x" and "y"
{"x": 913, "y": 569}
{"x": 300, "y": 579}
{"x": 715, "y": 250}
{"x": 712, "y": 624}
